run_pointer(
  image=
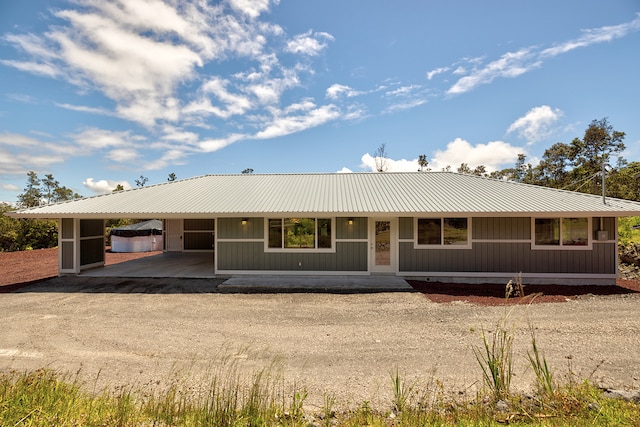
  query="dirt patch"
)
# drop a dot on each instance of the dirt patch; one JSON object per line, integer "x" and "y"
{"x": 494, "y": 294}
{"x": 143, "y": 333}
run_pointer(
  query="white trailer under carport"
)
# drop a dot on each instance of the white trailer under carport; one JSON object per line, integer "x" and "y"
{"x": 143, "y": 236}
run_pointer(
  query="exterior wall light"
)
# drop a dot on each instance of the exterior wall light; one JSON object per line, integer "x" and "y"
{"x": 350, "y": 221}
{"x": 244, "y": 221}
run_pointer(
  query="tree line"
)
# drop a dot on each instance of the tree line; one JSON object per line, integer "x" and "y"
{"x": 578, "y": 166}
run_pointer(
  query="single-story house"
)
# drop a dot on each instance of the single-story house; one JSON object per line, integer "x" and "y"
{"x": 145, "y": 236}
{"x": 439, "y": 226}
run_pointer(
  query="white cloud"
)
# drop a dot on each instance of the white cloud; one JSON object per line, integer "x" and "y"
{"x": 215, "y": 144}
{"x": 336, "y": 90}
{"x": 309, "y": 43}
{"x": 431, "y": 74}
{"x": 252, "y": 8}
{"x": 494, "y": 155}
{"x": 514, "y": 64}
{"x": 594, "y": 36}
{"x": 95, "y": 139}
{"x": 20, "y": 153}
{"x": 86, "y": 109}
{"x": 104, "y": 186}
{"x": 402, "y": 165}
{"x": 536, "y": 124}
{"x": 288, "y": 124}
{"x": 10, "y": 187}
{"x": 511, "y": 64}
{"x": 122, "y": 155}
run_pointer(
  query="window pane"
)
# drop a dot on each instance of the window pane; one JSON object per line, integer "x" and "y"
{"x": 575, "y": 231}
{"x": 300, "y": 233}
{"x": 455, "y": 231}
{"x": 429, "y": 231}
{"x": 275, "y": 233}
{"x": 324, "y": 233}
{"x": 547, "y": 231}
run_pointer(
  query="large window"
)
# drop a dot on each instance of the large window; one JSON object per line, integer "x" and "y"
{"x": 300, "y": 233}
{"x": 448, "y": 232}
{"x": 570, "y": 233}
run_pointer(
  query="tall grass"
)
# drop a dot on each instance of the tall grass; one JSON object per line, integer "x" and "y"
{"x": 495, "y": 358}
{"x": 47, "y": 398}
{"x": 538, "y": 362}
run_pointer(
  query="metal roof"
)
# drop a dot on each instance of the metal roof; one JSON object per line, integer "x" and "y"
{"x": 335, "y": 194}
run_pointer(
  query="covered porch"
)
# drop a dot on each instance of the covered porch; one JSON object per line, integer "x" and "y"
{"x": 192, "y": 265}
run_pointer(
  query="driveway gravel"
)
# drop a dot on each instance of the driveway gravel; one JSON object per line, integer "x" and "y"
{"x": 116, "y": 332}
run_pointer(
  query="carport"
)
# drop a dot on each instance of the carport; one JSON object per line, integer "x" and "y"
{"x": 195, "y": 265}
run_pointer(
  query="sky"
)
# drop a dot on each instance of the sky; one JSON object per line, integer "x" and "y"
{"x": 99, "y": 93}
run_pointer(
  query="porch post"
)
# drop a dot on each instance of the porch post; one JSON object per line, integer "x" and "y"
{"x": 68, "y": 246}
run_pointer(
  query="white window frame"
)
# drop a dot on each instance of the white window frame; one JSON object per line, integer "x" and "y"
{"x": 560, "y": 246}
{"x": 441, "y": 245}
{"x": 332, "y": 249}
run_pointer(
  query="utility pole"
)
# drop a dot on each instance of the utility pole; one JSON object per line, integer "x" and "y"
{"x": 604, "y": 200}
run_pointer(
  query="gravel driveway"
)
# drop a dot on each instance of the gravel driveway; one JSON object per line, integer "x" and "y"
{"x": 341, "y": 345}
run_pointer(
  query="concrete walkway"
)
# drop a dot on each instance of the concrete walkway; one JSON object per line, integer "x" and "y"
{"x": 325, "y": 284}
{"x": 200, "y": 266}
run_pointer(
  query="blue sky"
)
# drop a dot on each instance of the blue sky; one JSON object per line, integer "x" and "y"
{"x": 100, "y": 92}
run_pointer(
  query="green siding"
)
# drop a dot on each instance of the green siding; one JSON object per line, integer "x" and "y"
{"x": 405, "y": 228}
{"x": 232, "y": 228}
{"x": 349, "y": 256}
{"x": 501, "y": 228}
{"x": 509, "y": 258}
{"x": 67, "y": 228}
{"x": 67, "y": 255}
{"x": 357, "y": 230}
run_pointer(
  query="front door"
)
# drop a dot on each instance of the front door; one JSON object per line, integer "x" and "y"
{"x": 174, "y": 235}
{"x": 382, "y": 246}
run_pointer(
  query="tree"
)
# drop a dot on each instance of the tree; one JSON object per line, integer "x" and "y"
{"x": 172, "y": 177}
{"x": 464, "y": 168}
{"x": 32, "y": 195}
{"x": 140, "y": 182}
{"x": 380, "y": 157}
{"x": 480, "y": 170}
{"x": 423, "y": 163}
{"x": 552, "y": 169}
{"x": 591, "y": 153}
{"x": 8, "y": 229}
{"x": 119, "y": 187}
{"x": 247, "y": 170}
{"x": 50, "y": 184}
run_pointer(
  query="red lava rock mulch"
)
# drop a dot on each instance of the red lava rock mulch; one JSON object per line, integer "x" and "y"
{"x": 18, "y": 269}
{"x": 494, "y": 294}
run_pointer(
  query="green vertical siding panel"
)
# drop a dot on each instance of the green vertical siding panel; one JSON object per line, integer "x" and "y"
{"x": 249, "y": 256}
{"x": 509, "y": 258}
{"x": 232, "y": 228}
{"x": 67, "y": 228}
{"x": 67, "y": 255}
{"x": 405, "y": 228}
{"x": 357, "y": 230}
{"x": 507, "y": 228}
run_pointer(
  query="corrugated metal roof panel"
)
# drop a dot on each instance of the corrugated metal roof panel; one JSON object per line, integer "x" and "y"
{"x": 348, "y": 194}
